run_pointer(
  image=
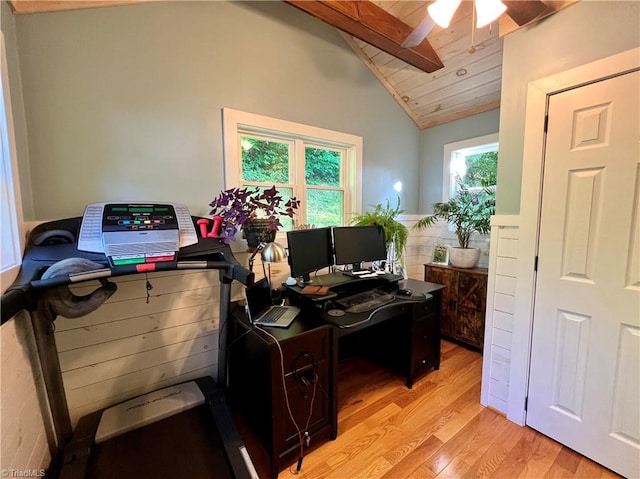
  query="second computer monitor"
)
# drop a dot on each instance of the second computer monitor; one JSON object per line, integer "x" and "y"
{"x": 309, "y": 251}
{"x": 358, "y": 244}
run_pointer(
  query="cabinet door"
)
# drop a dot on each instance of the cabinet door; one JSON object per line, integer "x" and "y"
{"x": 472, "y": 292}
{"x": 425, "y": 346}
{"x": 449, "y": 278}
{"x": 309, "y": 406}
{"x": 306, "y": 359}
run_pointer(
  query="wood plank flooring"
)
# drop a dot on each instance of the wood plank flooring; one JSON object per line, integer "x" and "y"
{"x": 438, "y": 429}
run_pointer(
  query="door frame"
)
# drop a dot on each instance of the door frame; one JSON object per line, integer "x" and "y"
{"x": 538, "y": 94}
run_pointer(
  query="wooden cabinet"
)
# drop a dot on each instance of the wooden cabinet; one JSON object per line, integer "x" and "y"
{"x": 463, "y": 302}
{"x": 256, "y": 384}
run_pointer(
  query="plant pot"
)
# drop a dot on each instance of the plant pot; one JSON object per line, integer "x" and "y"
{"x": 257, "y": 231}
{"x": 463, "y": 257}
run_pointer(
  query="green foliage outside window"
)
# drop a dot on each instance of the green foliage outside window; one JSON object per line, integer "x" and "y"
{"x": 482, "y": 169}
{"x": 322, "y": 167}
{"x": 325, "y": 207}
{"x": 265, "y": 161}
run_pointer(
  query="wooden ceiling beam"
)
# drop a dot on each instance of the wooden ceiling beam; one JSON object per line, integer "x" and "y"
{"x": 521, "y": 13}
{"x": 524, "y": 12}
{"x": 368, "y": 22}
{"x": 43, "y": 6}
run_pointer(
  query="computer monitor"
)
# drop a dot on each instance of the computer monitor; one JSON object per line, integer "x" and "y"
{"x": 357, "y": 244}
{"x": 309, "y": 251}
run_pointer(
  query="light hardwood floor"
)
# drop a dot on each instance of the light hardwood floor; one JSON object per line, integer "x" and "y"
{"x": 438, "y": 429}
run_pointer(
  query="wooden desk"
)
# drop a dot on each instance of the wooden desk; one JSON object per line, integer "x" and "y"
{"x": 404, "y": 335}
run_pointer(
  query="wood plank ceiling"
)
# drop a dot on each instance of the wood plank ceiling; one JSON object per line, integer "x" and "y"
{"x": 470, "y": 79}
{"x": 454, "y": 73}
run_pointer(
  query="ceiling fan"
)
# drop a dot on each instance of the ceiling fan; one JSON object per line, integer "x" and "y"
{"x": 441, "y": 12}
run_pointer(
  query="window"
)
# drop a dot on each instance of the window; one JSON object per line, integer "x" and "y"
{"x": 472, "y": 162}
{"x": 321, "y": 168}
{"x": 10, "y": 206}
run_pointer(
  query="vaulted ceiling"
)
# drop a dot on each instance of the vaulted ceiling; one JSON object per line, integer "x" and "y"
{"x": 453, "y": 73}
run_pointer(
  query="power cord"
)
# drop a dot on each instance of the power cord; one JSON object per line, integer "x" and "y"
{"x": 302, "y": 438}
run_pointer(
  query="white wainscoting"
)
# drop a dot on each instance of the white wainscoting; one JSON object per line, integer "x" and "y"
{"x": 420, "y": 245}
{"x": 499, "y": 313}
{"x": 128, "y": 347}
{"x": 24, "y": 445}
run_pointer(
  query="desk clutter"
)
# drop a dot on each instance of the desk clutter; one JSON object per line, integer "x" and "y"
{"x": 315, "y": 290}
{"x": 402, "y": 334}
{"x": 361, "y": 251}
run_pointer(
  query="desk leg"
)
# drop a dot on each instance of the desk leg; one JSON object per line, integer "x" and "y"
{"x": 333, "y": 383}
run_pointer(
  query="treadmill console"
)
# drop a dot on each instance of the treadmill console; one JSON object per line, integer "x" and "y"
{"x": 135, "y": 233}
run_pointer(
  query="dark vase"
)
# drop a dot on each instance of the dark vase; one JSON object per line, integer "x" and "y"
{"x": 257, "y": 231}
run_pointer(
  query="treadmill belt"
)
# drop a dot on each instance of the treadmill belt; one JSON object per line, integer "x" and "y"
{"x": 183, "y": 445}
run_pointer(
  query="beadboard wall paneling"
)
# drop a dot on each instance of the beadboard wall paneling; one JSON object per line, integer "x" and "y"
{"x": 500, "y": 310}
{"x": 420, "y": 245}
{"x": 24, "y": 444}
{"x": 130, "y": 346}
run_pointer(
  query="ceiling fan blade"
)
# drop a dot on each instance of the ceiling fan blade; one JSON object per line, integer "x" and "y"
{"x": 419, "y": 33}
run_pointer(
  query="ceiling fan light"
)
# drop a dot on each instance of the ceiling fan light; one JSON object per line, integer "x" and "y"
{"x": 442, "y": 11}
{"x": 488, "y": 10}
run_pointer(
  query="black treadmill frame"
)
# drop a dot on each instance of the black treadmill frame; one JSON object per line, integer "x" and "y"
{"x": 25, "y": 294}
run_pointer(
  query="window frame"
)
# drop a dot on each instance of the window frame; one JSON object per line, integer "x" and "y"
{"x": 236, "y": 122}
{"x": 10, "y": 178}
{"x": 479, "y": 144}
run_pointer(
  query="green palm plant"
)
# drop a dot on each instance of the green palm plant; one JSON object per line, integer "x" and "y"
{"x": 468, "y": 212}
{"x": 386, "y": 217}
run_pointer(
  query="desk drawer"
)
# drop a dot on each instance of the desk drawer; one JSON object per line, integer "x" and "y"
{"x": 300, "y": 391}
{"x": 424, "y": 346}
{"x": 306, "y": 350}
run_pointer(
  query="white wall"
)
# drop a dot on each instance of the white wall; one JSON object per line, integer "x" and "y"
{"x": 125, "y": 102}
{"x": 574, "y": 37}
{"x": 23, "y": 404}
{"x": 23, "y": 444}
{"x": 498, "y": 341}
{"x": 432, "y": 142}
{"x": 584, "y": 32}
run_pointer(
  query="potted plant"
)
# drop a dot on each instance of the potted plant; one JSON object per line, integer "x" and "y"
{"x": 468, "y": 212}
{"x": 256, "y": 211}
{"x": 395, "y": 233}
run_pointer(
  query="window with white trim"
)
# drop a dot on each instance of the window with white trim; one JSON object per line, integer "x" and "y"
{"x": 321, "y": 168}
{"x": 10, "y": 206}
{"x": 473, "y": 162}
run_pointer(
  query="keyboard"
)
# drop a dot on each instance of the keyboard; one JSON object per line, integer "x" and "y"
{"x": 273, "y": 314}
{"x": 366, "y": 301}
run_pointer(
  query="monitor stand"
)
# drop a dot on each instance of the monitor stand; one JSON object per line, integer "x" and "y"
{"x": 306, "y": 279}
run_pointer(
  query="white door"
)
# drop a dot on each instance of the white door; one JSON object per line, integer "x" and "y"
{"x": 584, "y": 386}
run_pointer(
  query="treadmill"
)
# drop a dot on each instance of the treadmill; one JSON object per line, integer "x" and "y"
{"x": 185, "y": 430}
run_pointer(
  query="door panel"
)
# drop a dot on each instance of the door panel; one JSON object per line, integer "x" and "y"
{"x": 584, "y": 389}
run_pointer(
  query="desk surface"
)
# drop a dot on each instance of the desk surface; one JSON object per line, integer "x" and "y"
{"x": 344, "y": 324}
{"x": 351, "y": 322}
